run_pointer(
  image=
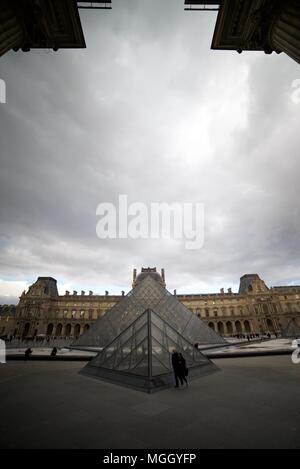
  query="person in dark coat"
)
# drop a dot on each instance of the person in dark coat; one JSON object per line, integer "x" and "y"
{"x": 182, "y": 370}
{"x": 178, "y": 363}
{"x": 175, "y": 364}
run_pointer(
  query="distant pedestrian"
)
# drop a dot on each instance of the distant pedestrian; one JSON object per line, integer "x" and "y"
{"x": 28, "y": 352}
{"x": 178, "y": 363}
{"x": 54, "y": 352}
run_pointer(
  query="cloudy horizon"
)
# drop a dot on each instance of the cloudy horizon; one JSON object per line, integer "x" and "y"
{"x": 148, "y": 110}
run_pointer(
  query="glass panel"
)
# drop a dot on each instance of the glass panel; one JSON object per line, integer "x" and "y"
{"x": 158, "y": 368}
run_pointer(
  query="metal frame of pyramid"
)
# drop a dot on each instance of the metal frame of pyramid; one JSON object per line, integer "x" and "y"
{"x": 291, "y": 330}
{"x": 140, "y": 356}
{"x": 147, "y": 294}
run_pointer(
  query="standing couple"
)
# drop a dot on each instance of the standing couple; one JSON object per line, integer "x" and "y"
{"x": 180, "y": 369}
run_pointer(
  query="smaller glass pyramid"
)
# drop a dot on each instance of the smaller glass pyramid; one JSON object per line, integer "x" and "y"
{"x": 140, "y": 357}
{"x": 291, "y": 330}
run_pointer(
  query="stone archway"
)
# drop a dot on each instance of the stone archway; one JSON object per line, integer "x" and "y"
{"x": 50, "y": 329}
{"x": 86, "y": 327}
{"x": 220, "y": 328}
{"x": 68, "y": 330}
{"x": 247, "y": 327}
{"x": 26, "y": 329}
{"x": 58, "y": 330}
{"x": 238, "y": 327}
{"x": 77, "y": 330}
{"x": 211, "y": 325}
{"x": 270, "y": 325}
{"x": 229, "y": 327}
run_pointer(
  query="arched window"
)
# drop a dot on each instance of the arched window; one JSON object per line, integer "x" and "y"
{"x": 211, "y": 325}
{"x": 77, "y": 330}
{"x": 229, "y": 327}
{"x": 220, "y": 327}
{"x": 247, "y": 326}
{"x": 49, "y": 329}
{"x": 58, "y": 330}
{"x": 68, "y": 330}
{"x": 238, "y": 327}
{"x": 270, "y": 325}
{"x": 26, "y": 329}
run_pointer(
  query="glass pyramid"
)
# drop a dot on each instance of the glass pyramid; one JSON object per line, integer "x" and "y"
{"x": 140, "y": 357}
{"x": 148, "y": 294}
{"x": 291, "y": 330}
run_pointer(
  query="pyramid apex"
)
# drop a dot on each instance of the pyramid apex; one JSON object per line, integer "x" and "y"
{"x": 151, "y": 272}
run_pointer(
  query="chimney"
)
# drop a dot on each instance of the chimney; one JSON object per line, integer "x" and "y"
{"x": 222, "y": 291}
{"x": 67, "y": 293}
{"x": 106, "y": 293}
{"x": 90, "y": 292}
{"x": 82, "y": 292}
{"x": 74, "y": 292}
{"x": 229, "y": 291}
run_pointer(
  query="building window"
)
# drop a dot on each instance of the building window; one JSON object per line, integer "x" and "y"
{"x": 265, "y": 308}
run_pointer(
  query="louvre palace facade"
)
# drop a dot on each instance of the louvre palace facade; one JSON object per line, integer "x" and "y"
{"x": 256, "y": 308}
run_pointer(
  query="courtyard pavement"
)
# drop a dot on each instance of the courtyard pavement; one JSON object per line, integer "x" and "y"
{"x": 250, "y": 403}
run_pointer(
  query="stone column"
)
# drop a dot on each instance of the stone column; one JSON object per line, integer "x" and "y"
{"x": 285, "y": 33}
{"x": 11, "y": 30}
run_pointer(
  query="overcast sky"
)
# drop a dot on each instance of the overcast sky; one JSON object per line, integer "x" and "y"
{"x": 148, "y": 110}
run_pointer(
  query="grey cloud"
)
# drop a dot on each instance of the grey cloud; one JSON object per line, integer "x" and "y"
{"x": 148, "y": 110}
